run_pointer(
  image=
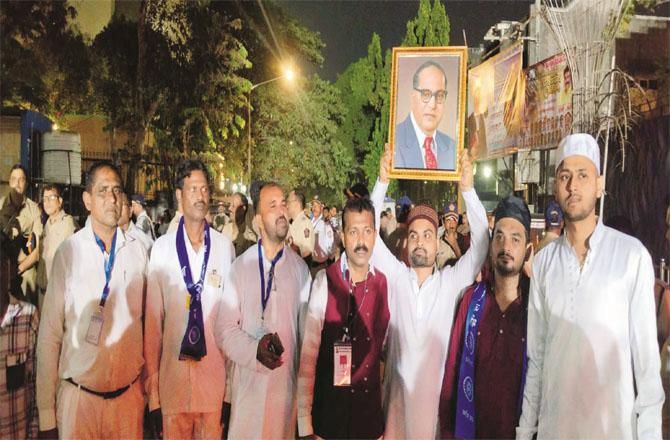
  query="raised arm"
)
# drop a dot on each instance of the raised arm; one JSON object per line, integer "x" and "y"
{"x": 382, "y": 257}
{"x": 468, "y": 266}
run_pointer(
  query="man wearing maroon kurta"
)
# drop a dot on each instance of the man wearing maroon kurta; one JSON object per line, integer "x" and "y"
{"x": 499, "y": 337}
{"x": 349, "y": 304}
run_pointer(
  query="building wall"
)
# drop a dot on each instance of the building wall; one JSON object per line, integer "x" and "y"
{"x": 99, "y": 143}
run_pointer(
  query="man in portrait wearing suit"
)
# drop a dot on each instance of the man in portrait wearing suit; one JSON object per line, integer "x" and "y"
{"x": 418, "y": 143}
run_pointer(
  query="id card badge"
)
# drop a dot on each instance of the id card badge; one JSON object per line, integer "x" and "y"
{"x": 214, "y": 279}
{"x": 95, "y": 328}
{"x": 342, "y": 364}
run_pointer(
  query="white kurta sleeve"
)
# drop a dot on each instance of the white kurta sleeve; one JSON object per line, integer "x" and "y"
{"x": 377, "y": 198}
{"x": 382, "y": 258}
{"x": 309, "y": 354}
{"x": 463, "y": 273}
{"x": 536, "y": 340}
{"x": 50, "y": 340}
{"x": 644, "y": 349}
{"x": 153, "y": 329}
{"x": 237, "y": 345}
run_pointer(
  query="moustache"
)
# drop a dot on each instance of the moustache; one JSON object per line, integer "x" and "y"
{"x": 361, "y": 247}
{"x": 505, "y": 254}
{"x": 282, "y": 218}
{"x": 416, "y": 250}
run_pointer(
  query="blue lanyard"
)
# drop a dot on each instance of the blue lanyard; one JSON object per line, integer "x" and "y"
{"x": 193, "y": 288}
{"x": 265, "y": 293}
{"x": 108, "y": 266}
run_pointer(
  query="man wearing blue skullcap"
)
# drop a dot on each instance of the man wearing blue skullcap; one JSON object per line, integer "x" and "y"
{"x": 553, "y": 224}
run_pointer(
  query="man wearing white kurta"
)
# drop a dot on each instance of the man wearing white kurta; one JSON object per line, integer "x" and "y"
{"x": 129, "y": 228}
{"x": 186, "y": 388}
{"x": 593, "y": 359}
{"x": 89, "y": 347}
{"x": 325, "y": 237}
{"x": 421, "y": 301}
{"x": 260, "y": 326}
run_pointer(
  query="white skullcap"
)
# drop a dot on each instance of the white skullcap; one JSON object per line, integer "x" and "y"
{"x": 579, "y": 144}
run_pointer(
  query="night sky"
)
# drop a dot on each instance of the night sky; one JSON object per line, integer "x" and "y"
{"x": 347, "y": 26}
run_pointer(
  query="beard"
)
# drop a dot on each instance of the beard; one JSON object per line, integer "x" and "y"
{"x": 419, "y": 258}
{"x": 281, "y": 228}
{"x": 507, "y": 267}
{"x": 581, "y": 210}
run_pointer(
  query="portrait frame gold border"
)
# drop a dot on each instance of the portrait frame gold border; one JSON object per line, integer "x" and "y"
{"x": 417, "y": 174}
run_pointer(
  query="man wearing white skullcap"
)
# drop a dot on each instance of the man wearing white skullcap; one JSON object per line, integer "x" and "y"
{"x": 593, "y": 360}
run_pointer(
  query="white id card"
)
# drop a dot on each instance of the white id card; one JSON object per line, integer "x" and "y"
{"x": 214, "y": 279}
{"x": 95, "y": 328}
{"x": 342, "y": 364}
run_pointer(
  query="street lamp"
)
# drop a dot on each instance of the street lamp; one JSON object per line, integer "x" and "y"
{"x": 289, "y": 75}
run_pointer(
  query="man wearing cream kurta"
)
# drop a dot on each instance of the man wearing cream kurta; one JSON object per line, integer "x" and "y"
{"x": 89, "y": 346}
{"x": 259, "y": 328}
{"x": 186, "y": 384}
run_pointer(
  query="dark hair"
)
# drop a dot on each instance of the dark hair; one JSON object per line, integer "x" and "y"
{"x": 301, "y": 198}
{"x": 18, "y": 166}
{"x": 384, "y": 214}
{"x": 93, "y": 169}
{"x": 357, "y": 205}
{"x": 493, "y": 232}
{"x": 184, "y": 170}
{"x": 52, "y": 187}
{"x": 427, "y": 64}
{"x": 243, "y": 198}
{"x": 256, "y": 196}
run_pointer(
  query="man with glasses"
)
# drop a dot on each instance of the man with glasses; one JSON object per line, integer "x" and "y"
{"x": 418, "y": 143}
{"x": 57, "y": 228}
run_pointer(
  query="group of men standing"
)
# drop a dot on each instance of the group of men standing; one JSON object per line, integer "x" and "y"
{"x": 563, "y": 347}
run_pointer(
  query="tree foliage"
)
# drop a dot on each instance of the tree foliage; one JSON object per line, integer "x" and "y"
{"x": 429, "y": 28}
{"x": 295, "y": 138}
{"x": 44, "y": 60}
{"x": 177, "y": 72}
{"x": 359, "y": 85}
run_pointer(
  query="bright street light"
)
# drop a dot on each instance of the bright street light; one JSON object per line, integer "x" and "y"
{"x": 289, "y": 74}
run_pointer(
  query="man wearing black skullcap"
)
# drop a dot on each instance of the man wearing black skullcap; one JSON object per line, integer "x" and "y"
{"x": 488, "y": 338}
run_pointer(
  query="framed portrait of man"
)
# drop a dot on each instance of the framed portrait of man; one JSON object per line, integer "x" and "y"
{"x": 426, "y": 130}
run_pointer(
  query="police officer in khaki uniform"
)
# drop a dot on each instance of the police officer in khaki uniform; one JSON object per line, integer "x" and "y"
{"x": 57, "y": 228}
{"x": 301, "y": 235}
{"x": 28, "y": 225}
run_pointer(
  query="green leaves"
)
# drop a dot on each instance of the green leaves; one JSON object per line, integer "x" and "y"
{"x": 44, "y": 60}
{"x": 294, "y": 136}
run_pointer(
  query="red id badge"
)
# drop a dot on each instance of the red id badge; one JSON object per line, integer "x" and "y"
{"x": 342, "y": 364}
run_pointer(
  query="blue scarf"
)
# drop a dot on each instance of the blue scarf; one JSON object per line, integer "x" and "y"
{"x": 193, "y": 344}
{"x": 465, "y": 399}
